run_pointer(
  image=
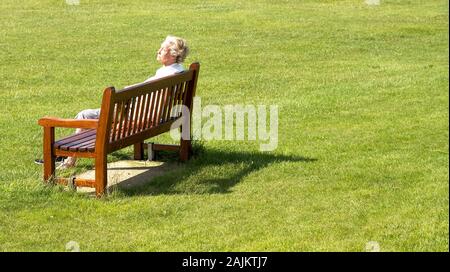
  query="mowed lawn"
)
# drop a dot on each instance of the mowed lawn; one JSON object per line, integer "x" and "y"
{"x": 362, "y": 155}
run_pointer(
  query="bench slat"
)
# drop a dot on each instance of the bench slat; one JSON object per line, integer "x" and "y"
{"x": 73, "y": 146}
{"x": 149, "y": 117}
{"x": 146, "y": 110}
{"x": 79, "y": 141}
{"x": 170, "y": 101}
{"x": 74, "y": 137}
{"x": 118, "y": 125}
{"x": 89, "y": 145}
{"x": 140, "y": 114}
{"x": 131, "y": 116}
{"x": 59, "y": 152}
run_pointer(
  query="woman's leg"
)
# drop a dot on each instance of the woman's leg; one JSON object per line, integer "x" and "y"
{"x": 87, "y": 114}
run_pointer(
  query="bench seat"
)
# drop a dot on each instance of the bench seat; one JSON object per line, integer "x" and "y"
{"x": 80, "y": 142}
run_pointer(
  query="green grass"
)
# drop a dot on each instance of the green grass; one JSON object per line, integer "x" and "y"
{"x": 363, "y": 125}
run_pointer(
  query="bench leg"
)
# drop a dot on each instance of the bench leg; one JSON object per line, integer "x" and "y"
{"x": 185, "y": 149}
{"x": 49, "y": 158}
{"x": 139, "y": 151}
{"x": 101, "y": 175}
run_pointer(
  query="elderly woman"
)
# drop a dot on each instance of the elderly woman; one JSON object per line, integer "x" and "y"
{"x": 171, "y": 55}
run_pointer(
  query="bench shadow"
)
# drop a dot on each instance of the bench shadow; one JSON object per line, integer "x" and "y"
{"x": 208, "y": 172}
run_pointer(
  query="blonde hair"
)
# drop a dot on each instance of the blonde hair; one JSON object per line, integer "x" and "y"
{"x": 178, "y": 48}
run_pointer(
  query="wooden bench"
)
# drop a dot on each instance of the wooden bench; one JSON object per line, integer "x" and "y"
{"x": 127, "y": 117}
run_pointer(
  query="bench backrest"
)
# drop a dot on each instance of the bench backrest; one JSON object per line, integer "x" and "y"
{"x": 139, "y": 112}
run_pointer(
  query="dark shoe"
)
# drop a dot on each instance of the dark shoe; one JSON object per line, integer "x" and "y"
{"x": 57, "y": 160}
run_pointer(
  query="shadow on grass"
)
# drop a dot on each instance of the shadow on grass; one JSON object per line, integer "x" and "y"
{"x": 208, "y": 172}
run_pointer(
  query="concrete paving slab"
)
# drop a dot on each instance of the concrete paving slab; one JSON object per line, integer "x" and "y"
{"x": 129, "y": 173}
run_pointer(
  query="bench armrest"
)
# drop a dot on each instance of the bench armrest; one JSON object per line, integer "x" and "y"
{"x": 68, "y": 123}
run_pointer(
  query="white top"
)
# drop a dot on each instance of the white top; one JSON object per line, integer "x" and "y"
{"x": 167, "y": 71}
